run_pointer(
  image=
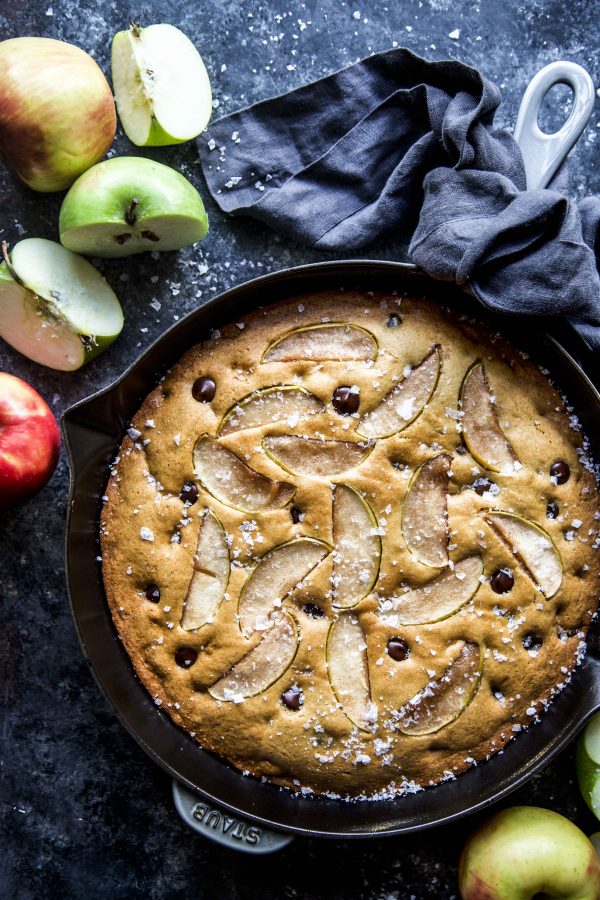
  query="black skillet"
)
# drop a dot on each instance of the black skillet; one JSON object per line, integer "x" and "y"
{"x": 210, "y": 795}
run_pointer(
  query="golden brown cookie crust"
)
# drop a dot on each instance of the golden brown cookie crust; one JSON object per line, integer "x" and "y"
{"x": 318, "y": 747}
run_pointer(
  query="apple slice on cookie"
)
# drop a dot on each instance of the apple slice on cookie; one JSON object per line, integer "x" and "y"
{"x": 274, "y": 577}
{"x": 309, "y": 456}
{"x": 357, "y": 547}
{"x": 348, "y": 668}
{"x": 331, "y": 341}
{"x": 425, "y": 512}
{"x": 128, "y": 205}
{"x": 481, "y": 430}
{"x": 532, "y": 547}
{"x": 282, "y": 402}
{"x": 442, "y": 701}
{"x": 210, "y": 576}
{"x": 438, "y": 599}
{"x": 262, "y": 666}
{"x": 405, "y": 402}
{"x": 56, "y": 308}
{"x": 232, "y": 482}
{"x": 161, "y": 85}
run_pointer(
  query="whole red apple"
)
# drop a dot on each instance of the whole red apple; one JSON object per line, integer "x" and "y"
{"x": 29, "y": 441}
{"x": 57, "y": 113}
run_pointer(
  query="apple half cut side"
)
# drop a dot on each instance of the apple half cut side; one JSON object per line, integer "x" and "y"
{"x": 348, "y": 668}
{"x": 405, "y": 402}
{"x": 442, "y": 701}
{"x": 440, "y": 598}
{"x": 425, "y": 512}
{"x": 357, "y": 547}
{"x": 532, "y": 547}
{"x": 262, "y": 666}
{"x": 274, "y": 577}
{"x": 268, "y": 405}
{"x": 162, "y": 89}
{"x": 481, "y": 431}
{"x": 332, "y": 341}
{"x": 233, "y": 483}
{"x": 128, "y": 205}
{"x": 310, "y": 456}
{"x": 210, "y": 575}
{"x": 56, "y": 308}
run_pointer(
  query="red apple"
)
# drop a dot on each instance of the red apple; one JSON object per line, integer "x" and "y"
{"x": 57, "y": 113}
{"x": 29, "y": 441}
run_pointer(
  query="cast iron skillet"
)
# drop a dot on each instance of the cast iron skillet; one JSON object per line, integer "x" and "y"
{"x": 93, "y": 431}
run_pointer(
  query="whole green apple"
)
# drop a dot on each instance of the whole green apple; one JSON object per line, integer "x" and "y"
{"x": 57, "y": 114}
{"x": 525, "y": 852}
{"x": 128, "y": 205}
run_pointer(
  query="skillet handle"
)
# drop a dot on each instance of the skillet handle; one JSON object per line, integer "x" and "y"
{"x": 543, "y": 154}
{"x": 226, "y": 829}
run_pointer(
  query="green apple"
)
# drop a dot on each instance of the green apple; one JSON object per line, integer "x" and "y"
{"x": 161, "y": 85}
{"x": 57, "y": 309}
{"x": 588, "y": 764}
{"x": 128, "y": 205}
{"x": 525, "y": 852}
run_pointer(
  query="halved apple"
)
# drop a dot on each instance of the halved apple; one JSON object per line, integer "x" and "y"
{"x": 287, "y": 402}
{"x": 262, "y": 666}
{"x": 481, "y": 429}
{"x": 357, "y": 548}
{"x": 210, "y": 576}
{"x": 309, "y": 456}
{"x": 405, "y": 401}
{"x": 230, "y": 480}
{"x": 533, "y": 549}
{"x": 442, "y": 701}
{"x": 425, "y": 512}
{"x": 331, "y": 340}
{"x": 439, "y": 598}
{"x": 348, "y": 668}
{"x": 274, "y": 577}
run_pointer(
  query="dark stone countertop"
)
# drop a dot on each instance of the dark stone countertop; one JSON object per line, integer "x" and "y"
{"x": 83, "y": 811}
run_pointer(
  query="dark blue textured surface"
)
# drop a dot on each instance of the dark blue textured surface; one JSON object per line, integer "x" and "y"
{"x": 83, "y": 813}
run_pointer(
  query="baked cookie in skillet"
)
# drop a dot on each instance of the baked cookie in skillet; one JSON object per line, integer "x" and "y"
{"x": 350, "y": 543}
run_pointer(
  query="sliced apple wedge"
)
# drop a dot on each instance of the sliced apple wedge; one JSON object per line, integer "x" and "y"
{"x": 405, "y": 401}
{"x": 262, "y": 666}
{"x": 442, "y": 701}
{"x": 481, "y": 430}
{"x": 274, "y": 577}
{"x": 230, "y": 480}
{"x": 425, "y": 512}
{"x": 332, "y": 340}
{"x": 533, "y": 549}
{"x": 210, "y": 576}
{"x": 282, "y": 402}
{"x": 357, "y": 547}
{"x": 348, "y": 668}
{"x": 308, "y": 456}
{"x": 439, "y": 598}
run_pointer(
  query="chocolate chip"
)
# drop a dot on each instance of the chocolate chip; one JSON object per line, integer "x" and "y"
{"x": 152, "y": 593}
{"x": 345, "y": 400}
{"x": 532, "y": 641}
{"x": 502, "y": 581}
{"x": 393, "y": 321}
{"x": 189, "y": 493}
{"x": 552, "y": 510}
{"x": 293, "y": 698}
{"x": 482, "y": 486}
{"x": 186, "y": 657}
{"x": 398, "y": 649}
{"x": 204, "y": 389}
{"x": 560, "y": 471}
{"x": 296, "y": 514}
{"x": 313, "y": 610}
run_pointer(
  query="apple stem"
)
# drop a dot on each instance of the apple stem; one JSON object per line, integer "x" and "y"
{"x": 130, "y": 216}
{"x": 136, "y": 28}
{"x": 9, "y": 266}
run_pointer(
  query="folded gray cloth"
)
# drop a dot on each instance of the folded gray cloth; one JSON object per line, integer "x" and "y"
{"x": 397, "y": 143}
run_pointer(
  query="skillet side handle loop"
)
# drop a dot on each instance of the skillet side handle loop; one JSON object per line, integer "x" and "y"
{"x": 543, "y": 154}
{"x": 225, "y": 828}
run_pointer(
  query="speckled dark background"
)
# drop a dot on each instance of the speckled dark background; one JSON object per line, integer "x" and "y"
{"x": 83, "y": 812}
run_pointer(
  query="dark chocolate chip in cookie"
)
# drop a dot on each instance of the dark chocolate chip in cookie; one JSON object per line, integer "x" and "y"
{"x": 204, "y": 389}
{"x": 482, "y": 486}
{"x": 152, "y": 593}
{"x": 502, "y": 581}
{"x": 293, "y": 698}
{"x": 398, "y": 649}
{"x": 189, "y": 493}
{"x": 560, "y": 471}
{"x": 346, "y": 400}
{"x": 552, "y": 510}
{"x": 532, "y": 642}
{"x": 313, "y": 610}
{"x": 186, "y": 657}
{"x": 296, "y": 514}
{"x": 393, "y": 321}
